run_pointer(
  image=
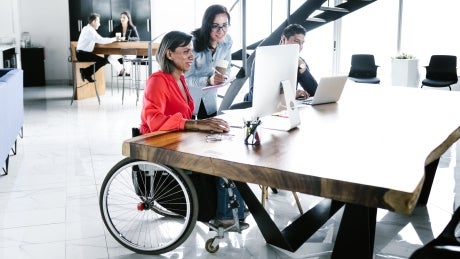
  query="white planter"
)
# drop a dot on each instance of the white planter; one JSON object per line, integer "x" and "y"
{"x": 404, "y": 72}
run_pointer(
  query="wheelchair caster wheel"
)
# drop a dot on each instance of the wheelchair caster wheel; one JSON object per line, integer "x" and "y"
{"x": 210, "y": 248}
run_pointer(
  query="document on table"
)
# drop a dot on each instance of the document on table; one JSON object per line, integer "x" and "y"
{"x": 236, "y": 118}
{"x": 228, "y": 81}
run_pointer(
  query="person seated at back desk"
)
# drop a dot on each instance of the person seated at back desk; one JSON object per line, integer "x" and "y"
{"x": 127, "y": 30}
{"x": 292, "y": 34}
{"x": 85, "y": 46}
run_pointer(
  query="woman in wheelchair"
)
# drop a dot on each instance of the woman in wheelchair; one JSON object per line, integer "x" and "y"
{"x": 168, "y": 105}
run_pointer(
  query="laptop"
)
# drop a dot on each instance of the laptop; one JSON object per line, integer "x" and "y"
{"x": 329, "y": 90}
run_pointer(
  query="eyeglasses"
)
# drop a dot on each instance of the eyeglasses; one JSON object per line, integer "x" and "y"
{"x": 216, "y": 27}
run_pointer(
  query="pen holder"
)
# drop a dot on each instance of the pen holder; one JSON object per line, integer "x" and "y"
{"x": 252, "y": 134}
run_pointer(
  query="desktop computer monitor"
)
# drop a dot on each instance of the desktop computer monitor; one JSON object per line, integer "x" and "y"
{"x": 273, "y": 65}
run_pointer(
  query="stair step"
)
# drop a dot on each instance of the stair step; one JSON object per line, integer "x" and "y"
{"x": 315, "y": 19}
{"x": 334, "y": 9}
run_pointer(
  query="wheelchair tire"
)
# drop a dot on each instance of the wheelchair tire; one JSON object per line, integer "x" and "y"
{"x": 147, "y": 207}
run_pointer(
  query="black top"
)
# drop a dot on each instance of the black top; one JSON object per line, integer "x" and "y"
{"x": 131, "y": 32}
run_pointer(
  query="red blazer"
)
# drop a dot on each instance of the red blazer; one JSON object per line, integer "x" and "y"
{"x": 164, "y": 107}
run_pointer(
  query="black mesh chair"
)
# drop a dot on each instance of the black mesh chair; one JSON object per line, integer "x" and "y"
{"x": 446, "y": 245}
{"x": 363, "y": 69}
{"x": 441, "y": 72}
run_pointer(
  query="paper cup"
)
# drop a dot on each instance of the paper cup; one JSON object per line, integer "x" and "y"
{"x": 221, "y": 66}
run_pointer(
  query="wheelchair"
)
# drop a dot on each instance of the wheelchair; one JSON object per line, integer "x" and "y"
{"x": 151, "y": 208}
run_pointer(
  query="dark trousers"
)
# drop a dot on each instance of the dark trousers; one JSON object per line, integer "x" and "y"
{"x": 203, "y": 114}
{"x": 91, "y": 57}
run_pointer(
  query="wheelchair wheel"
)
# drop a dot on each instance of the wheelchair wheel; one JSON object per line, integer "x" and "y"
{"x": 148, "y": 208}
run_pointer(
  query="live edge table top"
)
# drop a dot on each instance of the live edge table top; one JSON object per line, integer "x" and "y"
{"x": 370, "y": 148}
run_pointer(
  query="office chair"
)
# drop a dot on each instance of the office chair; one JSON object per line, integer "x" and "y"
{"x": 244, "y": 105}
{"x": 115, "y": 75}
{"x": 441, "y": 72}
{"x": 363, "y": 69}
{"x": 446, "y": 245}
{"x": 130, "y": 56}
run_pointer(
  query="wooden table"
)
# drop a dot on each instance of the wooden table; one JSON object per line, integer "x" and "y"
{"x": 379, "y": 147}
{"x": 115, "y": 48}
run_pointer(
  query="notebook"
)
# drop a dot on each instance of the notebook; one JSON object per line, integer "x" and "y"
{"x": 329, "y": 90}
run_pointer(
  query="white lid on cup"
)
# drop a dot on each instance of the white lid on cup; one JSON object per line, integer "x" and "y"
{"x": 222, "y": 63}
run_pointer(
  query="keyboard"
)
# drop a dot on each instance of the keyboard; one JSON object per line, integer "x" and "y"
{"x": 305, "y": 101}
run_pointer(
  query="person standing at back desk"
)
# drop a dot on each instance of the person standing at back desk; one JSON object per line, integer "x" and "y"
{"x": 85, "y": 46}
{"x": 211, "y": 43}
{"x": 127, "y": 30}
{"x": 293, "y": 34}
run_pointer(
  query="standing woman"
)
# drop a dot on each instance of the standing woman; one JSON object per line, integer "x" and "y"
{"x": 129, "y": 31}
{"x": 211, "y": 43}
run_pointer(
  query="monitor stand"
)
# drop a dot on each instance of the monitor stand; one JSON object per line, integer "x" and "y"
{"x": 288, "y": 118}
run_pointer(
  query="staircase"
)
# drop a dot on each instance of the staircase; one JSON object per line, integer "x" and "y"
{"x": 312, "y": 14}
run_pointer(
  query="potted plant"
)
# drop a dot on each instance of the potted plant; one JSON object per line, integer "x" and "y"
{"x": 404, "y": 70}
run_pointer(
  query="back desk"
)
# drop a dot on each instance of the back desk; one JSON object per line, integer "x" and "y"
{"x": 85, "y": 90}
{"x": 115, "y": 48}
{"x": 378, "y": 147}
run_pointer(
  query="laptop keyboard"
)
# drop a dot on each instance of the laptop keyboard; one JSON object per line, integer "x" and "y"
{"x": 308, "y": 100}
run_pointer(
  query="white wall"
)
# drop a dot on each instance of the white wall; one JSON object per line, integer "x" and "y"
{"x": 8, "y": 18}
{"x": 10, "y": 28}
{"x": 47, "y": 21}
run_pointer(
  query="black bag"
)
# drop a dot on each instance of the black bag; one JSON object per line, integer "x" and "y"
{"x": 205, "y": 186}
{"x": 168, "y": 194}
{"x": 206, "y": 191}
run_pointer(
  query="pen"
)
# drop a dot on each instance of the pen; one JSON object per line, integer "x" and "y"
{"x": 217, "y": 71}
{"x": 252, "y": 130}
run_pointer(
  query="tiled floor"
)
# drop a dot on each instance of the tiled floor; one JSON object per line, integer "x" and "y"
{"x": 49, "y": 200}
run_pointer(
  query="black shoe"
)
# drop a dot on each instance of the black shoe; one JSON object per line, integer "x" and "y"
{"x": 89, "y": 79}
{"x": 85, "y": 77}
{"x": 82, "y": 74}
{"x": 122, "y": 71}
{"x": 217, "y": 223}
